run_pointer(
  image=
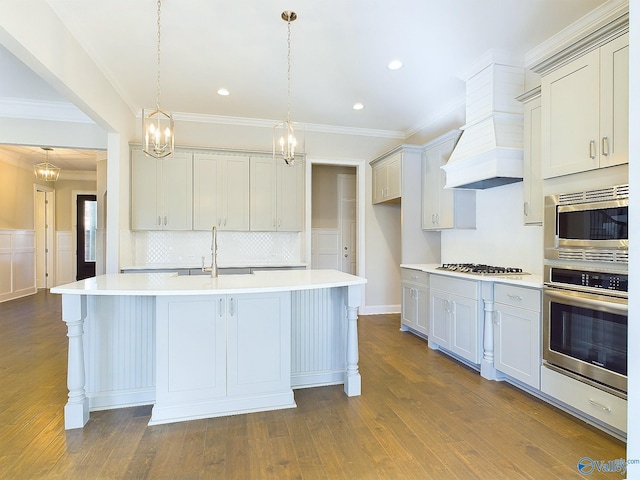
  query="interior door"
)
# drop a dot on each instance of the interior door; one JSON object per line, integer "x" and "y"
{"x": 348, "y": 225}
{"x": 87, "y": 222}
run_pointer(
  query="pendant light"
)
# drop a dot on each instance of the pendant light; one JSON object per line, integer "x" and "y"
{"x": 157, "y": 126}
{"x": 45, "y": 170}
{"x": 285, "y": 143}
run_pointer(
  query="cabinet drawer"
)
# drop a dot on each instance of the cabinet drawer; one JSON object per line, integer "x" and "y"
{"x": 594, "y": 402}
{"x": 528, "y": 298}
{"x": 414, "y": 276}
{"x": 456, "y": 286}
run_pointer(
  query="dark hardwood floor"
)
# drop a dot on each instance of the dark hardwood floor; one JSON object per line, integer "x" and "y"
{"x": 421, "y": 415}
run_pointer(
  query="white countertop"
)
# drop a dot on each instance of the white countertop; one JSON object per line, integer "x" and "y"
{"x": 530, "y": 280}
{"x": 179, "y": 266}
{"x": 154, "y": 284}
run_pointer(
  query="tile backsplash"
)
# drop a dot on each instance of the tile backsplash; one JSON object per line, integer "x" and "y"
{"x": 177, "y": 248}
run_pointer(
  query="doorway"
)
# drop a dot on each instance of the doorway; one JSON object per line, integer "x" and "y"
{"x": 86, "y": 225}
{"x": 347, "y": 222}
{"x": 44, "y": 226}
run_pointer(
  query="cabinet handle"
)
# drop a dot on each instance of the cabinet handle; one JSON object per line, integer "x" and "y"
{"x": 165, "y": 220}
{"x": 592, "y": 149}
{"x": 433, "y": 218}
{"x": 514, "y": 297}
{"x": 232, "y": 310}
{"x": 605, "y": 146}
{"x": 496, "y": 318}
{"x": 526, "y": 209}
{"x": 600, "y": 406}
{"x": 221, "y": 308}
{"x": 159, "y": 220}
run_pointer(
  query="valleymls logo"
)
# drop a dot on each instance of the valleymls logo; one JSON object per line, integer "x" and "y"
{"x": 587, "y": 466}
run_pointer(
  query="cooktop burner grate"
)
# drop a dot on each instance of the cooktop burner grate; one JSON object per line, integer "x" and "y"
{"x": 481, "y": 269}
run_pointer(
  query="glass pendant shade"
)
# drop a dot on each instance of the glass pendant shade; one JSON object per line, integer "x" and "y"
{"x": 46, "y": 171}
{"x": 158, "y": 133}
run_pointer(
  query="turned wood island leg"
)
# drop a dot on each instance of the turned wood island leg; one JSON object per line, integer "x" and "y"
{"x": 76, "y": 411}
{"x": 352, "y": 381}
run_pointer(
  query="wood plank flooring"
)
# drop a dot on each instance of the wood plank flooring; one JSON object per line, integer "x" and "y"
{"x": 421, "y": 415}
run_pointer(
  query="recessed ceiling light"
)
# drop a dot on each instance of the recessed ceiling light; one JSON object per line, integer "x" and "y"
{"x": 358, "y": 106}
{"x": 223, "y": 91}
{"x": 394, "y": 65}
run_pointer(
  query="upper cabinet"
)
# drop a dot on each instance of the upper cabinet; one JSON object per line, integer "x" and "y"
{"x": 161, "y": 191}
{"x": 585, "y": 108}
{"x": 276, "y": 195}
{"x": 387, "y": 179}
{"x": 220, "y": 192}
{"x": 444, "y": 208}
{"x": 532, "y": 170}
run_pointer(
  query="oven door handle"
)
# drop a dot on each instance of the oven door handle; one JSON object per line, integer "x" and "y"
{"x": 587, "y": 301}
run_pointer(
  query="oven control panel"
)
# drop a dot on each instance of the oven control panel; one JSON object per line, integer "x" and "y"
{"x": 585, "y": 278}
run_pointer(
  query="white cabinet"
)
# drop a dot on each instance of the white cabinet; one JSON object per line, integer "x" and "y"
{"x": 222, "y": 354}
{"x": 220, "y": 192}
{"x": 276, "y": 195}
{"x": 456, "y": 317}
{"x": 444, "y": 208}
{"x": 516, "y": 332}
{"x": 161, "y": 191}
{"x": 415, "y": 301}
{"x": 585, "y": 109}
{"x": 387, "y": 178}
{"x": 532, "y": 175}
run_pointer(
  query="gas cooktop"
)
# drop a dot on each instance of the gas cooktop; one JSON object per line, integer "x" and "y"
{"x": 481, "y": 269}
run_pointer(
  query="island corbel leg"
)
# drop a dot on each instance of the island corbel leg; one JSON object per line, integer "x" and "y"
{"x": 76, "y": 411}
{"x": 352, "y": 381}
{"x": 487, "y": 367}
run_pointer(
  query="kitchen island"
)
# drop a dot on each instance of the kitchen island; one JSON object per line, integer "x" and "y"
{"x": 198, "y": 347}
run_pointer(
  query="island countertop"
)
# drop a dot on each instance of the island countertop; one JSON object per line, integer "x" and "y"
{"x": 160, "y": 284}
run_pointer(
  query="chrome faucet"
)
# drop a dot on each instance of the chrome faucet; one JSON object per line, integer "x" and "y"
{"x": 214, "y": 254}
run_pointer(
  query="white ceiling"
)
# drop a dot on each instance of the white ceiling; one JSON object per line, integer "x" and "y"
{"x": 340, "y": 50}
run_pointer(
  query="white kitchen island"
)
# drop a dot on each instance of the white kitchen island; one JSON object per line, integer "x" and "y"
{"x": 198, "y": 347}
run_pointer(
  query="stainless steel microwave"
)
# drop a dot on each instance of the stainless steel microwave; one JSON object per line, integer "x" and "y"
{"x": 590, "y": 223}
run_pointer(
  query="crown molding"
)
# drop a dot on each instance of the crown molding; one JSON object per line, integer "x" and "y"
{"x": 42, "y": 110}
{"x": 598, "y": 27}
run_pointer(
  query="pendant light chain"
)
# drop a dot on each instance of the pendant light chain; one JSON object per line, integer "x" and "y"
{"x": 289, "y": 69}
{"x": 158, "y": 63}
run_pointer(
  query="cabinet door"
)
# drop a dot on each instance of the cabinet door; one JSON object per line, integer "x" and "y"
{"x": 517, "y": 343}
{"x": 570, "y": 116}
{"x": 177, "y": 191}
{"x": 409, "y": 311}
{"x": 145, "y": 194}
{"x": 432, "y": 182}
{"x": 191, "y": 334}
{"x": 464, "y": 328}
{"x": 394, "y": 177}
{"x": 290, "y": 184}
{"x": 439, "y": 318}
{"x": 263, "y": 195}
{"x": 207, "y": 174}
{"x": 259, "y": 343}
{"x": 422, "y": 317}
{"x": 614, "y": 102}
{"x": 532, "y": 181}
{"x": 379, "y": 182}
{"x": 235, "y": 198}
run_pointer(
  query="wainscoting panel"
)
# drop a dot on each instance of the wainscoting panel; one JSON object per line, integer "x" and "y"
{"x": 64, "y": 258}
{"x": 318, "y": 337}
{"x": 17, "y": 264}
{"x": 119, "y": 348}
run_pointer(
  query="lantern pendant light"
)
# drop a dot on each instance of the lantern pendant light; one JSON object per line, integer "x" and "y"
{"x": 285, "y": 143}
{"x": 157, "y": 126}
{"x": 46, "y": 171}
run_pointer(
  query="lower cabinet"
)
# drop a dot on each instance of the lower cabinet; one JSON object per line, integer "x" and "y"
{"x": 516, "y": 332}
{"x": 456, "y": 317}
{"x": 415, "y": 301}
{"x": 222, "y": 354}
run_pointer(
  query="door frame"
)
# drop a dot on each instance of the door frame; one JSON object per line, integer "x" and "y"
{"x": 74, "y": 228}
{"x": 50, "y": 244}
{"x": 360, "y": 193}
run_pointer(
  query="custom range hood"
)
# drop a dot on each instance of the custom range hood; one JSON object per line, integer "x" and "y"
{"x": 490, "y": 152}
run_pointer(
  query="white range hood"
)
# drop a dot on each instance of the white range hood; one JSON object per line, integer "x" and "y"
{"x": 490, "y": 151}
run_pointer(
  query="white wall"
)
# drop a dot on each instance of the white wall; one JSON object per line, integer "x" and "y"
{"x": 500, "y": 237}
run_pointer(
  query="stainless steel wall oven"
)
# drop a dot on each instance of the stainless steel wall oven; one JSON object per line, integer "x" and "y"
{"x": 585, "y": 292}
